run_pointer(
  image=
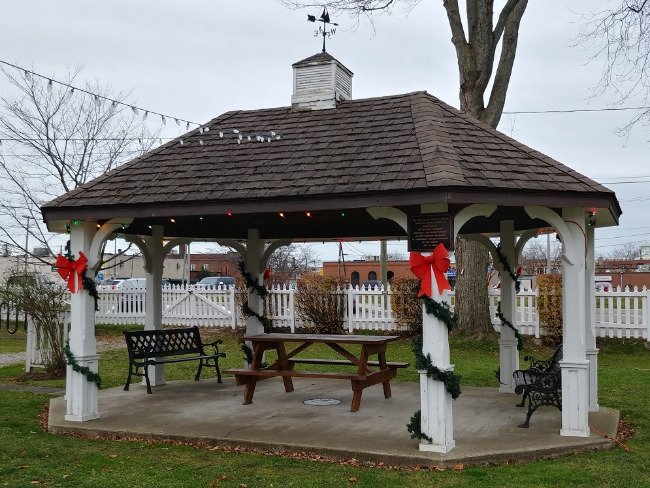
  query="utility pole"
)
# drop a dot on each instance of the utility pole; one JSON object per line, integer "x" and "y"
{"x": 26, "y": 240}
{"x": 384, "y": 263}
{"x": 548, "y": 253}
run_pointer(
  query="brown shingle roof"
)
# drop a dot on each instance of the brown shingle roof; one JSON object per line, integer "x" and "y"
{"x": 370, "y": 147}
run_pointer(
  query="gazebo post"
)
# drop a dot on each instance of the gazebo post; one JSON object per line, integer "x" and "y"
{"x": 81, "y": 394}
{"x": 508, "y": 353}
{"x": 153, "y": 303}
{"x": 435, "y": 401}
{"x": 254, "y": 251}
{"x": 574, "y": 364}
{"x": 590, "y": 310}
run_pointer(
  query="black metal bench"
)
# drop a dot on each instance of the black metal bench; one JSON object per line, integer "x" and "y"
{"x": 148, "y": 347}
{"x": 540, "y": 383}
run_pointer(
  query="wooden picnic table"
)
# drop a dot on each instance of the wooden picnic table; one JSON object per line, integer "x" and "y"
{"x": 367, "y": 373}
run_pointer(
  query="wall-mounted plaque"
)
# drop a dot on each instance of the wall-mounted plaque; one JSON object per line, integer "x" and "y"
{"x": 426, "y": 231}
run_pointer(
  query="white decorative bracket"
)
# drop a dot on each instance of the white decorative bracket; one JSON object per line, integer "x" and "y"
{"x": 270, "y": 249}
{"x": 389, "y": 213}
{"x": 469, "y": 212}
{"x": 94, "y": 254}
{"x": 570, "y": 254}
{"x": 521, "y": 242}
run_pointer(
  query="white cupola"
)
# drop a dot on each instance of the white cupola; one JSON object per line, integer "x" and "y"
{"x": 319, "y": 82}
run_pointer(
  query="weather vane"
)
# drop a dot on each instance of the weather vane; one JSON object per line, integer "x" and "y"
{"x": 322, "y": 31}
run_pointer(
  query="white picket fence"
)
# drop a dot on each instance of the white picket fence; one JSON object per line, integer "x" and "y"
{"x": 619, "y": 313}
{"x": 37, "y": 344}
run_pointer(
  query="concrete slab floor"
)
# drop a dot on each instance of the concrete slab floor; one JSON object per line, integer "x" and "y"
{"x": 485, "y": 421}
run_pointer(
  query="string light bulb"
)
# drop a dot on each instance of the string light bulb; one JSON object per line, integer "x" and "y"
{"x": 308, "y": 214}
{"x": 229, "y": 214}
{"x": 172, "y": 220}
{"x": 281, "y": 214}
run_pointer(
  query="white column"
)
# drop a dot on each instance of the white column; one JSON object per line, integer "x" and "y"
{"x": 81, "y": 394}
{"x": 254, "y": 250}
{"x": 153, "y": 304}
{"x": 574, "y": 365}
{"x": 508, "y": 353}
{"x": 590, "y": 318}
{"x": 435, "y": 401}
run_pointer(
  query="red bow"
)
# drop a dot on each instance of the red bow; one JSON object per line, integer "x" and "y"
{"x": 69, "y": 269}
{"x": 421, "y": 267}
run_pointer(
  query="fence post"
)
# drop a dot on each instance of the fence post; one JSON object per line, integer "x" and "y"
{"x": 350, "y": 308}
{"x": 292, "y": 308}
{"x": 646, "y": 316}
{"x": 232, "y": 306}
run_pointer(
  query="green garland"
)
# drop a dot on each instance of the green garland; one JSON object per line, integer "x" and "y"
{"x": 423, "y": 363}
{"x": 441, "y": 311}
{"x": 262, "y": 292}
{"x": 414, "y": 428}
{"x": 248, "y": 353}
{"x": 252, "y": 283}
{"x": 507, "y": 323}
{"x": 507, "y": 268}
{"x": 84, "y": 370}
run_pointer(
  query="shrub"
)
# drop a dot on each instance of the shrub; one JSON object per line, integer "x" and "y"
{"x": 406, "y": 306}
{"x": 45, "y": 304}
{"x": 321, "y": 301}
{"x": 549, "y": 306}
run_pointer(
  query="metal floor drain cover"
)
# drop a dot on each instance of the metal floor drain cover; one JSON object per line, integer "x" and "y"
{"x": 322, "y": 402}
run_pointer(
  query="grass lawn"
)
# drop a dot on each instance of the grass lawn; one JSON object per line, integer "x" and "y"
{"x": 29, "y": 455}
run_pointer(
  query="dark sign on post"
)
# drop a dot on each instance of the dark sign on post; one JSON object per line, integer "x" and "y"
{"x": 426, "y": 231}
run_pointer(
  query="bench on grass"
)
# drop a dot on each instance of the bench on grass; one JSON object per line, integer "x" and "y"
{"x": 540, "y": 383}
{"x": 151, "y": 347}
{"x": 366, "y": 373}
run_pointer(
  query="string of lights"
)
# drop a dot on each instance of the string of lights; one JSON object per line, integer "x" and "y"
{"x": 239, "y": 135}
{"x": 50, "y": 81}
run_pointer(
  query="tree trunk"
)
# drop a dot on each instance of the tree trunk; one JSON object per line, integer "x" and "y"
{"x": 472, "y": 306}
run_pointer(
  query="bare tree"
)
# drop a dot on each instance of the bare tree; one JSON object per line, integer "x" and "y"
{"x": 629, "y": 250}
{"x": 620, "y": 38}
{"x": 54, "y": 140}
{"x": 289, "y": 262}
{"x": 482, "y": 93}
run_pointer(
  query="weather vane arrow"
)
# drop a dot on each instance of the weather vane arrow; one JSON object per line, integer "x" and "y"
{"x": 325, "y": 19}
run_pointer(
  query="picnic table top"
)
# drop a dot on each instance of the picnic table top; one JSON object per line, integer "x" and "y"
{"x": 322, "y": 338}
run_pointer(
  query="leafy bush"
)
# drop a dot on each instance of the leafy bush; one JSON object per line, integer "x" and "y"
{"x": 549, "y": 306}
{"x": 406, "y": 306}
{"x": 321, "y": 301}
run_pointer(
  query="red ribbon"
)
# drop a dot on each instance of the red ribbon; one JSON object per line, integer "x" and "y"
{"x": 69, "y": 269}
{"x": 421, "y": 267}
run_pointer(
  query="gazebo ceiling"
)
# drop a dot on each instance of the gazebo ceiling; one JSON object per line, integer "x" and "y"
{"x": 401, "y": 151}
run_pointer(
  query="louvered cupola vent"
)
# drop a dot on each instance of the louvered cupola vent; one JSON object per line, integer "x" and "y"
{"x": 319, "y": 82}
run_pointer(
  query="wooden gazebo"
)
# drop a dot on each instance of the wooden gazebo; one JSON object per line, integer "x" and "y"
{"x": 331, "y": 167}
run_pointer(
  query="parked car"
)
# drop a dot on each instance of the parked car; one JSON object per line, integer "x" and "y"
{"x": 371, "y": 284}
{"x": 224, "y": 281}
{"x": 110, "y": 284}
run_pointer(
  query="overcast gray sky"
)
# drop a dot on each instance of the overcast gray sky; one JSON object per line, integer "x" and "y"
{"x": 197, "y": 59}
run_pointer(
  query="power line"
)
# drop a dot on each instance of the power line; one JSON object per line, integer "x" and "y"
{"x": 28, "y": 73}
{"x": 575, "y": 110}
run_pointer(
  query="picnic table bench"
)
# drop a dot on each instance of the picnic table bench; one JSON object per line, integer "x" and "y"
{"x": 151, "y": 347}
{"x": 540, "y": 383}
{"x": 366, "y": 373}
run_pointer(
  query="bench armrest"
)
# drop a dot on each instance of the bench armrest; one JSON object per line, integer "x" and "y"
{"x": 215, "y": 344}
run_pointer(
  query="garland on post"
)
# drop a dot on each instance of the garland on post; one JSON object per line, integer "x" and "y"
{"x": 84, "y": 370}
{"x": 508, "y": 269}
{"x": 441, "y": 311}
{"x": 248, "y": 353}
{"x": 507, "y": 323}
{"x": 261, "y": 291}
